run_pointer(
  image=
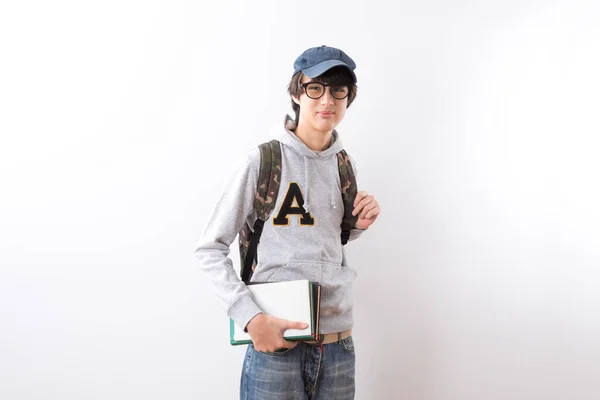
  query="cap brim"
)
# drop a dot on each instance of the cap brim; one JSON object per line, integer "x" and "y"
{"x": 324, "y": 66}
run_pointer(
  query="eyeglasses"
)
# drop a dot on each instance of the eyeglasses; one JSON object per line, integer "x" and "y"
{"x": 316, "y": 90}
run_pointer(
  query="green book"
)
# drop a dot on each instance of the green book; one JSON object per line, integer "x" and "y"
{"x": 292, "y": 300}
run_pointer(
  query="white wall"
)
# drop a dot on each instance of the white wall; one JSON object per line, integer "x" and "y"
{"x": 475, "y": 126}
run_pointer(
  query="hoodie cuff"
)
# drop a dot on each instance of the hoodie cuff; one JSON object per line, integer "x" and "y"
{"x": 243, "y": 310}
{"x": 356, "y": 233}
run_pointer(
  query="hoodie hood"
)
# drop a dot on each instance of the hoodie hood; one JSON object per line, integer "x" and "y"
{"x": 287, "y": 137}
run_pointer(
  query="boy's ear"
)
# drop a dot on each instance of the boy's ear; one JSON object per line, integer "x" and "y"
{"x": 296, "y": 100}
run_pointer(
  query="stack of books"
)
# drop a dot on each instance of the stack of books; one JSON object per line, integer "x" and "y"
{"x": 297, "y": 301}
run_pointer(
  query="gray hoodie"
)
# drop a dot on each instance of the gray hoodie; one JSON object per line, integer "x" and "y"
{"x": 291, "y": 251}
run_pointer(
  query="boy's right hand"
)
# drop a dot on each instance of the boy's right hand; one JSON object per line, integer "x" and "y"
{"x": 267, "y": 332}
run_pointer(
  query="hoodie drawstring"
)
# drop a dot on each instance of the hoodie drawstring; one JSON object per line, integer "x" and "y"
{"x": 333, "y": 193}
{"x": 334, "y": 189}
{"x": 306, "y": 204}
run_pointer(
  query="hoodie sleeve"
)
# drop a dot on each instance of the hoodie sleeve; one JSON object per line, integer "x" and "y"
{"x": 233, "y": 208}
{"x": 355, "y": 233}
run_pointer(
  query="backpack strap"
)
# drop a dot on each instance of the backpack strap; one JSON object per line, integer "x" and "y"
{"x": 349, "y": 191}
{"x": 265, "y": 198}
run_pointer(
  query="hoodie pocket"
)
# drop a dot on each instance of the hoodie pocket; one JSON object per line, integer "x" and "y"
{"x": 335, "y": 280}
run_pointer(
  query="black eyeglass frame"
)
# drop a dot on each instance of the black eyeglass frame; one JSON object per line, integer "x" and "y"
{"x": 325, "y": 85}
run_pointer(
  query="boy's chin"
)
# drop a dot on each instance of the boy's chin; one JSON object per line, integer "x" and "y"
{"x": 325, "y": 126}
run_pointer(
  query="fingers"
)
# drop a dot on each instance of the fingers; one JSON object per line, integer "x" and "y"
{"x": 267, "y": 332}
{"x": 373, "y": 212}
{"x": 277, "y": 341}
{"x": 362, "y": 199}
{"x": 366, "y": 205}
{"x": 359, "y": 196}
{"x": 288, "y": 344}
{"x": 285, "y": 324}
{"x": 293, "y": 324}
{"x": 282, "y": 344}
{"x": 366, "y": 208}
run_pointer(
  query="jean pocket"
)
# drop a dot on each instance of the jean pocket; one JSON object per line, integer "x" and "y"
{"x": 347, "y": 344}
{"x": 278, "y": 352}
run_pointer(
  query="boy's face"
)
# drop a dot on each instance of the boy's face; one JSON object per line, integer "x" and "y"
{"x": 322, "y": 114}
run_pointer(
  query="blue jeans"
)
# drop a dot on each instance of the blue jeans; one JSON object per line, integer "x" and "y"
{"x": 304, "y": 372}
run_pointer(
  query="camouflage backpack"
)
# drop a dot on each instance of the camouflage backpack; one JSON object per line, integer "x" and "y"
{"x": 266, "y": 197}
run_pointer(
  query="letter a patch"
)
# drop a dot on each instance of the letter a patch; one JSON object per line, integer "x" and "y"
{"x": 293, "y": 195}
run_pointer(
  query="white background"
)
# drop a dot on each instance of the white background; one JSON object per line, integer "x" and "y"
{"x": 476, "y": 126}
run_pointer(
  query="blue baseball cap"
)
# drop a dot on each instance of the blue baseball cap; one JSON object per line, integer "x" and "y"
{"x": 316, "y": 60}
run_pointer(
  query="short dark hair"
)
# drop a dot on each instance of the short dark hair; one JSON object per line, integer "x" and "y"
{"x": 337, "y": 76}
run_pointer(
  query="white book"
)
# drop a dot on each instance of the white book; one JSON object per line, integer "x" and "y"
{"x": 291, "y": 300}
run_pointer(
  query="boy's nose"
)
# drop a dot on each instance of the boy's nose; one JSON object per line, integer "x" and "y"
{"x": 327, "y": 98}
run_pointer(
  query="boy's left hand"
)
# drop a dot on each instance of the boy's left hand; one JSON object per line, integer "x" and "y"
{"x": 367, "y": 209}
